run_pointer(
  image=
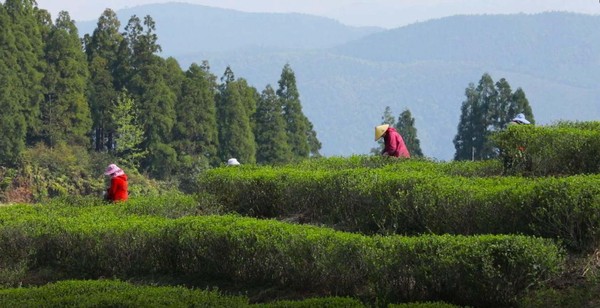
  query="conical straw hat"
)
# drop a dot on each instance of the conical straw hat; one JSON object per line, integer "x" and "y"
{"x": 380, "y": 130}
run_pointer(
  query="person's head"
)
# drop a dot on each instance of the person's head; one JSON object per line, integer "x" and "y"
{"x": 380, "y": 131}
{"x": 520, "y": 119}
{"x": 113, "y": 170}
{"x": 233, "y": 162}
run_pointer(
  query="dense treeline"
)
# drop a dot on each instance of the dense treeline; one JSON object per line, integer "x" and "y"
{"x": 111, "y": 93}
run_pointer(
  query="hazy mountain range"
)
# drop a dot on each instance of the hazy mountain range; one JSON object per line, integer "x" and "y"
{"x": 348, "y": 75}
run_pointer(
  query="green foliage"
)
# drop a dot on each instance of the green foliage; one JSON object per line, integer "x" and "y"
{"x": 90, "y": 242}
{"x": 271, "y": 137}
{"x": 102, "y": 51}
{"x": 414, "y": 197}
{"x": 329, "y": 302}
{"x": 565, "y": 148}
{"x": 59, "y": 171}
{"x": 423, "y": 305}
{"x": 12, "y": 98}
{"x": 488, "y": 108}
{"x": 129, "y": 134}
{"x": 236, "y": 138}
{"x": 65, "y": 110}
{"x": 27, "y": 52}
{"x": 301, "y": 136}
{"x": 114, "y": 293}
{"x": 195, "y": 133}
{"x": 408, "y": 131}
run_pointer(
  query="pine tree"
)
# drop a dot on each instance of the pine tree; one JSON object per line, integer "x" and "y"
{"x": 271, "y": 138}
{"x": 65, "y": 112}
{"x": 301, "y": 136}
{"x": 408, "y": 131}
{"x": 236, "y": 138}
{"x": 195, "y": 133}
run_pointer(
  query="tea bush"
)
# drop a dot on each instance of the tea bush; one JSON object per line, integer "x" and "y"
{"x": 416, "y": 202}
{"x": 566, "y": 148}
{"x": 94, "y": 242}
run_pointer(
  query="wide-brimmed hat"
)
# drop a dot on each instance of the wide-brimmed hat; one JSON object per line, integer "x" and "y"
{"x": 233, "y": 162}
{"x": 380, "y": 130}
{"x": 113, "y": 169}
{"x": 521, "y": 119}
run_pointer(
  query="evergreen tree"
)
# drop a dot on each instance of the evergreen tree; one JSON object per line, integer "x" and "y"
{"x": 156, "y": 105}
{"x": 28, "y": 48}
{"x": 271, "y": 138}
{"x": 408, "y": 131}
{"x": 521, "y": 105}
{"x": 65, "y": 112}
{"x": 174, "y": 75}
{"x": 154, "y": 98}
{"x": 301, "y": 136}
{"x": 12, "y": 120}
{"x": 488, "y": 108}
{"x": 236, "y": 138}
{"x": 102, "y": 49}
{"x": 195, "y": 133}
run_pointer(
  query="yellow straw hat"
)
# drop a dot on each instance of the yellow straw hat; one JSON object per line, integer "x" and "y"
{"x": 380, "y": 130}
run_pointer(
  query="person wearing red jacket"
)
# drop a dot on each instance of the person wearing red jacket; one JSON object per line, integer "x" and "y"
{"x": 117, "y": 192}
{"x": 394, "y": 144}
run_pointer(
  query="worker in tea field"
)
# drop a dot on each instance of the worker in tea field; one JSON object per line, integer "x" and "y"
{"x": 117, "y": 191}
{"x": 517, "y": 160}
{"x": 519, "y": 120}
{"x": 394, "y": 144}
{"x": 233, "y": 162}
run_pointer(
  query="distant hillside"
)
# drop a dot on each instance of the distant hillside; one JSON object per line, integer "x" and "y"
{"x": 553, "y": 45}
{"x": 425, "y": 66}
{"x": 188, "y": 28}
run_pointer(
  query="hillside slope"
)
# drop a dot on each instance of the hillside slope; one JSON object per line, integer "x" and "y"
{"x": 425, "y": 66}
{"x": 187, "y": 28}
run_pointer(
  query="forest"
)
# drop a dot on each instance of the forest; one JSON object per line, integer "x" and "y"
{"x": 111, "y": 95}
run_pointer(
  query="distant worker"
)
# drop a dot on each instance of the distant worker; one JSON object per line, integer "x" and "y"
{"x": 117, "y": 192}
{"x": 519, "y": 119}
{"x": 394, "y": 144}
{"x": 233, "y": 162}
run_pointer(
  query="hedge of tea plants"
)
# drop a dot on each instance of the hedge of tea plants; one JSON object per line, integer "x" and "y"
{"x": 388, "y": 201}
{"x": 101, "y": 241}
{"x": 565, "y": 148}
{"x": 114, "y": 293}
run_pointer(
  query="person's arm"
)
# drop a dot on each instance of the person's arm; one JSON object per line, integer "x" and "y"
{"x": 391, "y": 145}
{"x": 110, "y": 192}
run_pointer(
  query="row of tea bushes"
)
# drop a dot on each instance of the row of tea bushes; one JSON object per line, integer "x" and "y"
{"x": 565, "y": 148}
{"x": 111, "y": 293}
{"x": 453, "y": 168}
{"x": 98, "y": 242}
{"x": 379, "y": 201}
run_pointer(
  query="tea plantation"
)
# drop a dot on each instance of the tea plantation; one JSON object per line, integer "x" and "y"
{"x": 517, "y": 231}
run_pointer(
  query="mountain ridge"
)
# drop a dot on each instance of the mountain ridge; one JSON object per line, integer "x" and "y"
{"x": 426, "y": 68}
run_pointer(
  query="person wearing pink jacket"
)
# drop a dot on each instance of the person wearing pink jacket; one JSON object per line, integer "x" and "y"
{"x": 394, "y": 144}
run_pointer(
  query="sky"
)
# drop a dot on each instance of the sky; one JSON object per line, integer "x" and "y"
{"x": 381, "y": 13}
